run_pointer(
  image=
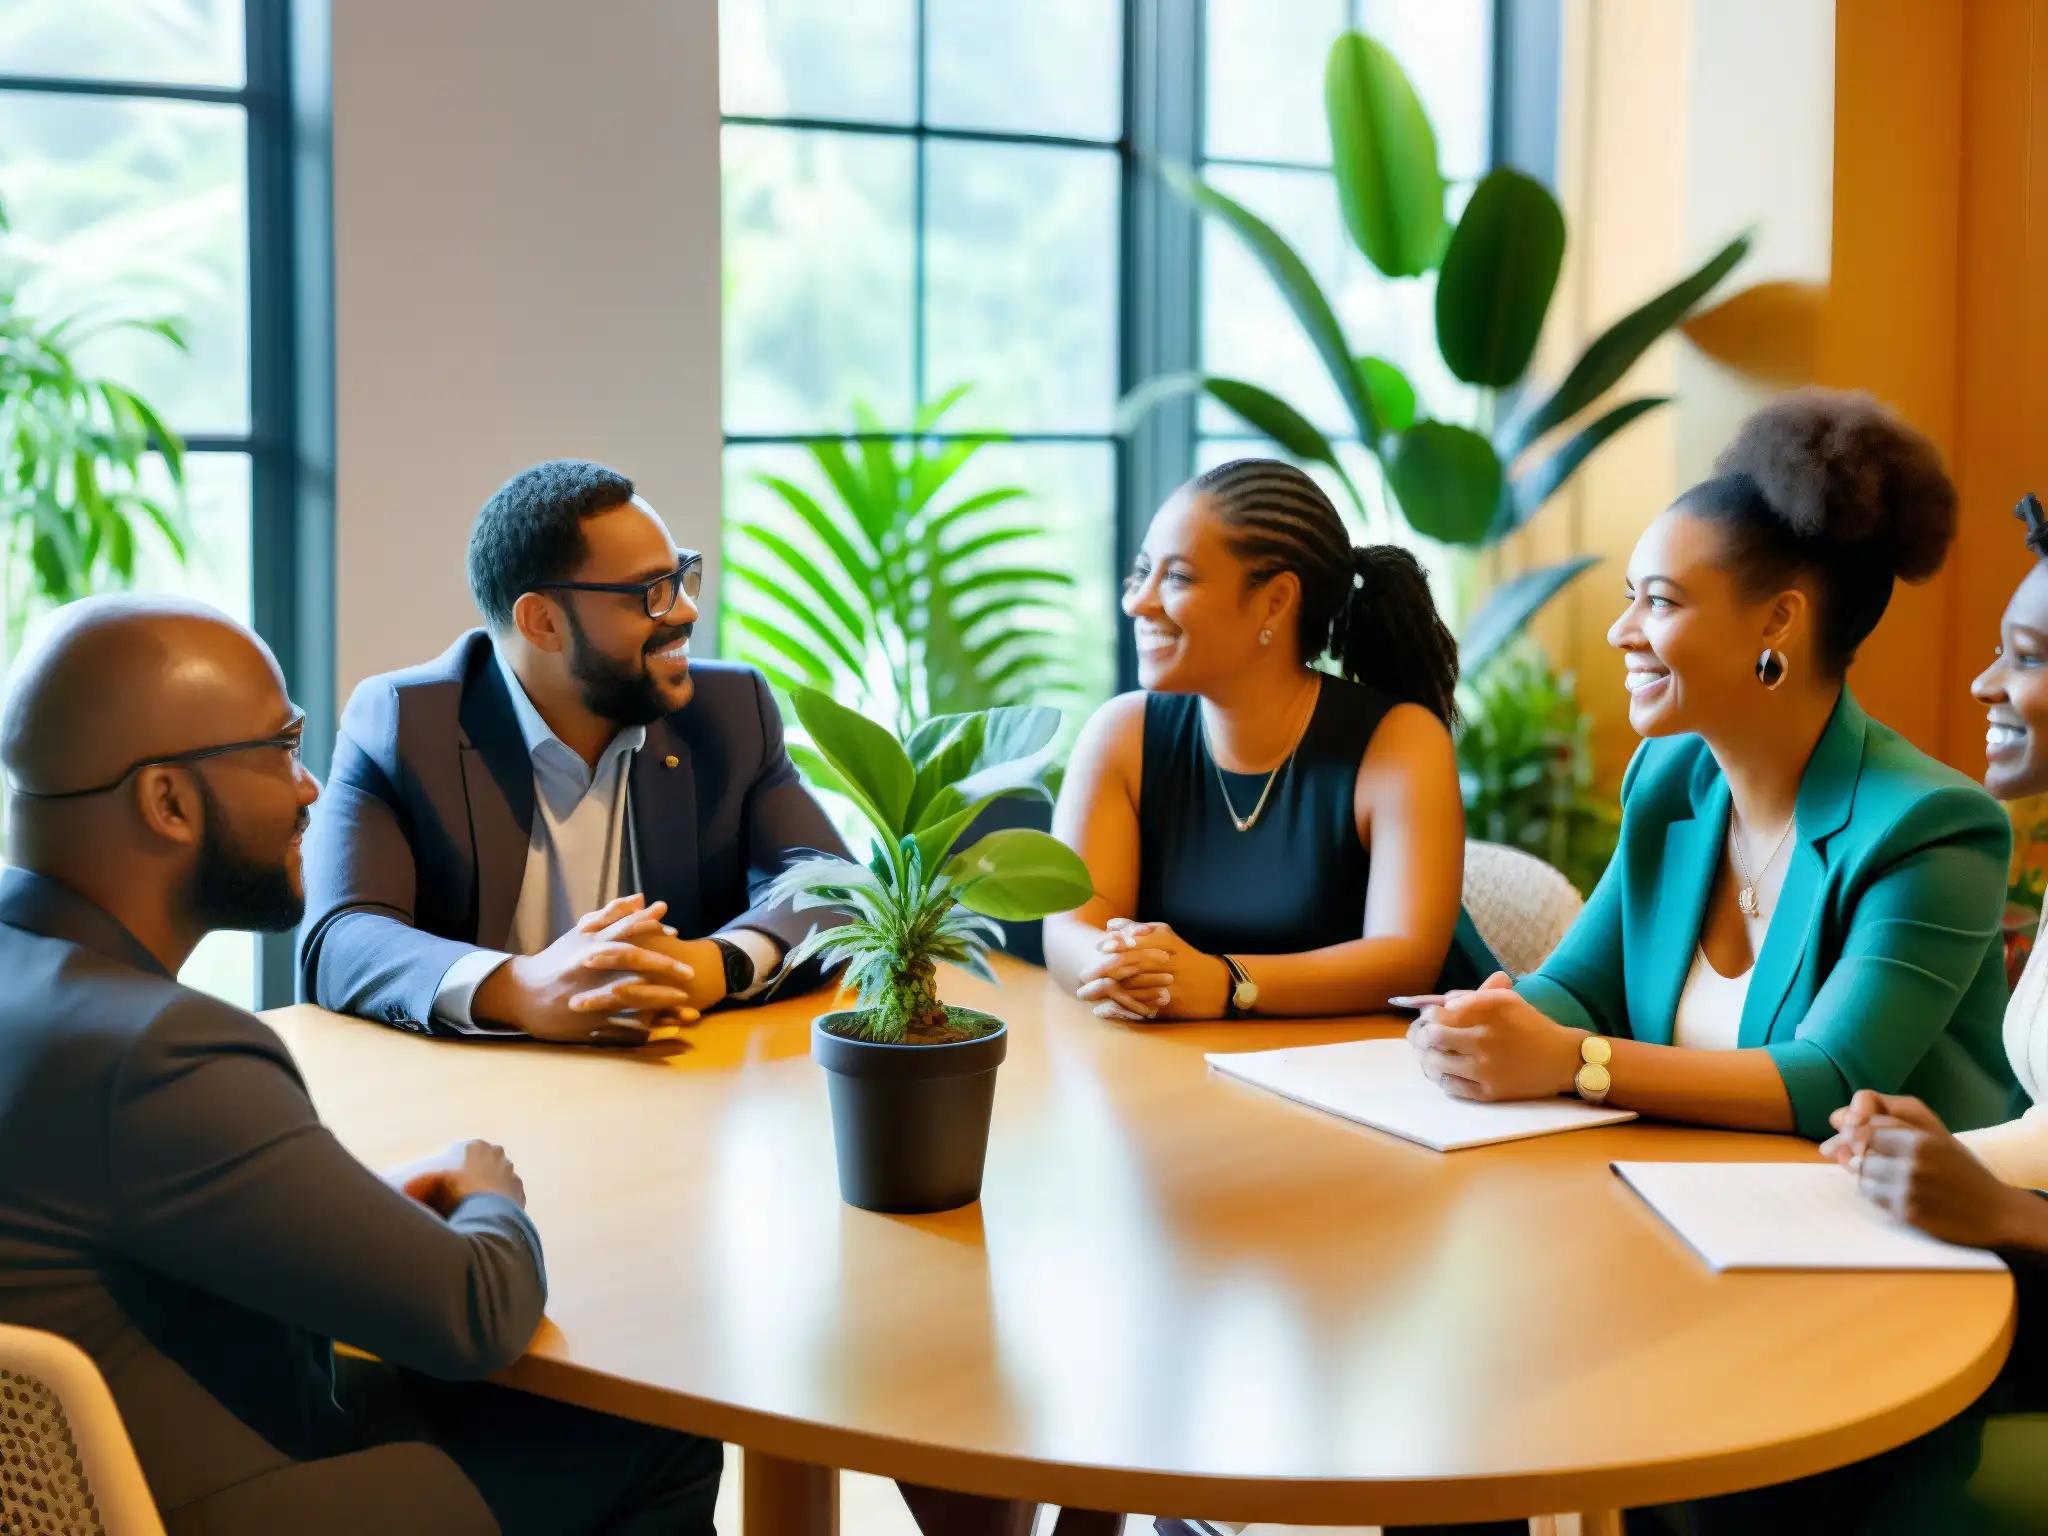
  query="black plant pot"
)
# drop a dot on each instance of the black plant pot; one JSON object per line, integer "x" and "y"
{"x": 909, "y": 1122}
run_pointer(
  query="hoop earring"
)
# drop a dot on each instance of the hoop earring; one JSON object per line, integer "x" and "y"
{"x": 1770, "y": 669}
{"x": 1265, "y": 637}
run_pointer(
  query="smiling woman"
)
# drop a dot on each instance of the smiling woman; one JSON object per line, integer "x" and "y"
{"x": 1266, "y": 837}
{"x": 1802, "y": 904}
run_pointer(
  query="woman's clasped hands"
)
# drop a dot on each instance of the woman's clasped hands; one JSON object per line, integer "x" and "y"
{"x": 1494, "y": 1045}
{"x": 1148, "y": 973}
{"x": 1910, "y": 1167}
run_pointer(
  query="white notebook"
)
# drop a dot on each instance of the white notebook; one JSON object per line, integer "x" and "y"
{"x": 1380, "y": 1084}
{"x": 1787, "y": 1216}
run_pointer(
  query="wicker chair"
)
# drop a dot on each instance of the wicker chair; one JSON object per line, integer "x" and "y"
{"x": 66, "y": 1467}
{"x": 1520, "y": 905}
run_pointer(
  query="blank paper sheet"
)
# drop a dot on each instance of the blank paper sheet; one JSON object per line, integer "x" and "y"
{"x": 1379, "y": 1083}
{"x": 1787, "y": 1216}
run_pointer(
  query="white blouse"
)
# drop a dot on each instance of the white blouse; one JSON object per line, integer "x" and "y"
{"x": 1710, "y": 1008}
{"x": 2017, "y": 1151}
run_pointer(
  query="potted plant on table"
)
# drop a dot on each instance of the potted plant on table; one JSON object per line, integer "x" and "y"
{"x": 912, "y": 1080}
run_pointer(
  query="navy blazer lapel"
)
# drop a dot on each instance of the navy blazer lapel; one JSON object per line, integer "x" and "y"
{"x": 1692, "y": 851}
{"x": 1827, "y": 791}
{"x": 664, "y": 789}
{"x": 497, "y": 781}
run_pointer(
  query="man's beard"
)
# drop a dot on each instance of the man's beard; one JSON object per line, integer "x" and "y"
{"x": 231, "y": 890}
{"x": 620, "y": 691}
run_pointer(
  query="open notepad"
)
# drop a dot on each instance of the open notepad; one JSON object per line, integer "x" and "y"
{"x": 1787, "y": 1216}
{"x": 1378, "y": 1083}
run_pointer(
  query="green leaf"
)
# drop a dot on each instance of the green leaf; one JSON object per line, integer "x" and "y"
{"x": 869, "y": 515}
{"x": 821, "y": 774}
{"x": 1601, "y": 366}
{"x": 1530, "y": 490}
{"x": 866, "y": 757}
{"x": 798, "y": 613}
{"x": 807, "y": 661}
{"x": 966, "y": 549}
{"x": 1508, "y": 609}
{"x": 1019, "y": 875}
{"x": 1393, "y": 397}
{"x": 928, "y": 414}
{"x": 1291, "y": 276}
{"x": 929, "y": 472}
{"x": 1384, "y": 157}
{"x": 1447, "y": 480}
{"x": 1014, "y": 576}
{"x": 822, "y": 586}
{"x": 1498, "y": 275}
{"x": 821, "y": 523}
{"x": 981, "y": 501}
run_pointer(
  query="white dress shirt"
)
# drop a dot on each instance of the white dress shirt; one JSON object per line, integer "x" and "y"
{"x": 581, "y": 856}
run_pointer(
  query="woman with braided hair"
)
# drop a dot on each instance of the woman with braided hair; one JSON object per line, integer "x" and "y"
{"x": 1268, "y": 838}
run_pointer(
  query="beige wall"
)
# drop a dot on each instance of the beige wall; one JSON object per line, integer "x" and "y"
{"x": 1682, "y": 123}
{"x": 526, "y": 266}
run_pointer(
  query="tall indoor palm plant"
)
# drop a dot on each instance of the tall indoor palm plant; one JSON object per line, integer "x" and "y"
{"x": 880, "y": 586}
{"x": 1468, "y": 483}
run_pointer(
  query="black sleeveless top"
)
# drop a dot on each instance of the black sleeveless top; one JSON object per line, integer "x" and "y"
{"x": 1294, "y": 881}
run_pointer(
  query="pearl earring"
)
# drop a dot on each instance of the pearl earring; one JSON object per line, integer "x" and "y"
{"x": 1265, "y": 637}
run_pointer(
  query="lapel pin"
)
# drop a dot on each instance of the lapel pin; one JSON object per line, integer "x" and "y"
{"x": 671, "y": 761}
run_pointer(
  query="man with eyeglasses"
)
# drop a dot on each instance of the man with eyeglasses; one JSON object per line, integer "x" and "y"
{"x": 561, "y": 826}
{"x": 169, "y": 1200}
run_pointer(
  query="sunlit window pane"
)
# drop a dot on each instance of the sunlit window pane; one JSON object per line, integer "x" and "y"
{"x": 173, "y": 42}
{"x": 1026, "y": 66}
{"x": 818, "y": 58}
{"x": 817, "y": 278}
{"x": 1265, "y": 88}
{"x": 135, "y": 208}
{"x": 1021, "y": 284}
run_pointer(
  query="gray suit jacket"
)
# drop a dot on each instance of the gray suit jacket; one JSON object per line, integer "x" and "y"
{"x": 170, "y": 1202}
{"x": 418, "y": 845}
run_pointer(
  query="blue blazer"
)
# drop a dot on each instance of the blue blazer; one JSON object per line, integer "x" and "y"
{"x": 418, "y": 843}
{"x": 1883, "y": 966}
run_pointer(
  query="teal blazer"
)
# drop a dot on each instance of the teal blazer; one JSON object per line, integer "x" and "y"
{"x": 1883, "y": 966}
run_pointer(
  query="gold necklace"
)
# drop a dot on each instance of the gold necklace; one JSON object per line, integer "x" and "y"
{"x": 1246, "y": 823}
{"x": 1745, "y": 896}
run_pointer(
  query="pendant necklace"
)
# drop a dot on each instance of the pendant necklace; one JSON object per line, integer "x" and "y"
{"x": 1745, "y": 895}
{"x": 1246, "y": 823}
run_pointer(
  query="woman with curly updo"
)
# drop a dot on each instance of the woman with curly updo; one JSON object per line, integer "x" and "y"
{"x": 1802, "y": 905}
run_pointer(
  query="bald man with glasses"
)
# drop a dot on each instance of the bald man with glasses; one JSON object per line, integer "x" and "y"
{"x": 561, "y": 827}
{"x": 169, "y": 1200}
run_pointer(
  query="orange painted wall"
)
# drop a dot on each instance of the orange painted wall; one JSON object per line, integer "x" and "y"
{"x": 1941, "y": 190}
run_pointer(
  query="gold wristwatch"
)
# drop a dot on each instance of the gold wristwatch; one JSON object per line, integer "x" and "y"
{"x": 1593, "y": 1079}
{"x": 1244, "y": 992}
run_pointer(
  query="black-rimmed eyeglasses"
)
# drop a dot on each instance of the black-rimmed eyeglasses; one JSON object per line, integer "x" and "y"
{"x": 288, "y": 741}
{"x": 658, "y": 596}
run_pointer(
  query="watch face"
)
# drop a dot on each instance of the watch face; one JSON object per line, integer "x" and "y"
{"x": 1594, "y": 1079}
{"x": 1245, "y": 993}
{"x": 1595, "y": 1049}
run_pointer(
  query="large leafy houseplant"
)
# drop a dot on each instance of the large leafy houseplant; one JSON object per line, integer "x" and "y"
{"x": 1468, "y": 483}
{"x": 918, "y": 902}
{"x": 1525, "y": 764}
{"x": 72, "y": 451}
{"x": 887, "y": 591}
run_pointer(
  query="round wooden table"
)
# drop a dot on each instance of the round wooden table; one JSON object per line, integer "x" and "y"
{"x": 1178, "y": 1294}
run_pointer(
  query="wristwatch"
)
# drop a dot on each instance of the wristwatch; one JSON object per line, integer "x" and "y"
{"x": 1593, "y": 1079}
{"x": 1244, "y": 992}
{"x": 739, "y": 967}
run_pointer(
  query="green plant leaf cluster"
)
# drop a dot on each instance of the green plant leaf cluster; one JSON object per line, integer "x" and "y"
{"x": 1525, "y": 765}
{"x": 874, "y": 569}
{"x": 919, "y": 901}
{"x": 1469, "y": 483}
{"x": 72, "y": 448}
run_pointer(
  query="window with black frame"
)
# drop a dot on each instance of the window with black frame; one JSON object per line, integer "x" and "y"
{"x": 921, "y": 195}
{"x": 124, "y": 174}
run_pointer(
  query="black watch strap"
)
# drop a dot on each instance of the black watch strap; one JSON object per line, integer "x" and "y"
{"x": 739, "y": 967}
